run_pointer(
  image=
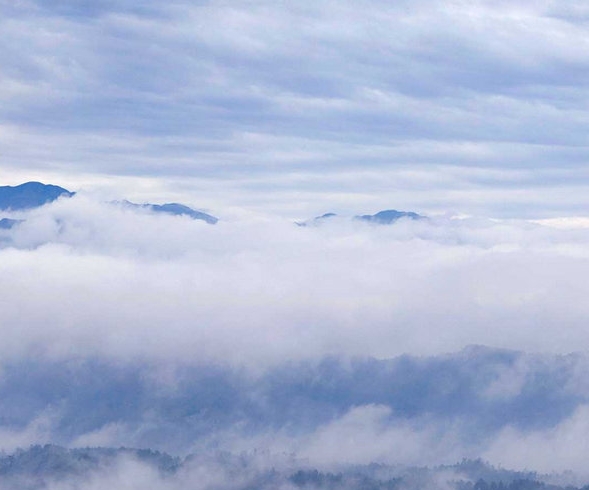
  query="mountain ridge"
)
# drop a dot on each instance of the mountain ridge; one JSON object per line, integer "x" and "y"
{"x": 49, "y": 465}
{"x": 31, "y": 195}
{"x": 384, "y": 217}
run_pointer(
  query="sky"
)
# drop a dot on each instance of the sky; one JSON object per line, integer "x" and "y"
{"x": 294, "y": 109}
{"x": 123, "y": 327}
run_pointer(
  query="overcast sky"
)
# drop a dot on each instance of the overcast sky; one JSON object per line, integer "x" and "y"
{"x": 299, "y": 108}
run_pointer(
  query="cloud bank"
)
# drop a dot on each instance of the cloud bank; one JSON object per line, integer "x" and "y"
{"x": 121, "y": 327}
{"x": 96, "y": 279}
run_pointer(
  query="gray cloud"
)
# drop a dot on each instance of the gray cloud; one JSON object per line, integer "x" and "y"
{"x": 265, "y": 92}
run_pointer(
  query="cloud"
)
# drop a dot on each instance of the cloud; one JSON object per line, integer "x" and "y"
{"x": 558, "y": 448}
{"x": 365, "y": 435}
{"x": 229, "y": 98}
{"x": 91, "y": 278}
{"x": 37, "y": 431}
{"x": 258, "y": 110}
{"x": 162, "y": 331}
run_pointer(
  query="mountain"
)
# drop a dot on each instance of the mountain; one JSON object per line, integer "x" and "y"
{"x": 48, "y": 465}
{"x": 51, "y": 466}
{"x": 175, "y": 209}
{"x": 325, "y": 216}
{"x": 317, "y": 220}
{"x": 30, "y": 195}
{"x": 35, "y": 194}
{"x": 181, "y": 210}
{"x": 389, "y": 216}
{"x": 385, "y": 217}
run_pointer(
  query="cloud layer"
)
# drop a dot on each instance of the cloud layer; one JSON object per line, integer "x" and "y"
{"x": 293, "y": 109}
{"x": 124, "y": 327}
{"x": 91, "y": 278}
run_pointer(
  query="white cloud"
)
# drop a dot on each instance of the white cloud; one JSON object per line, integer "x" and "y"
{"x": 88, "y": 278}
{"x": 559, "y": 448}
{"x": 38, "y": 431}
{"x": 364, "y": 436}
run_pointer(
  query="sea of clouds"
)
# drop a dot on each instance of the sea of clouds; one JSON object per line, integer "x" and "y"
{"x": 91, "y": 278}
{"x": 343, "y": 343}
{"x": 348, "y": 343}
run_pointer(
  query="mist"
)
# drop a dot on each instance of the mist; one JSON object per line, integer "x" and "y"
{"x": 82, "y": 277}
{"x": 345, "y": 343}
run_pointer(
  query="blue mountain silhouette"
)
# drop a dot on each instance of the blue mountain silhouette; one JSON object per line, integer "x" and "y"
{"x": 30, "y": 195}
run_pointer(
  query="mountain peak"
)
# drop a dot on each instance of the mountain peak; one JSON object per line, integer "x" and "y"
{"x": 30, "y": 195}
{"x": 385, "y": 217}
{"x": 174, "y": 209}
{"x": 389, "y": 216}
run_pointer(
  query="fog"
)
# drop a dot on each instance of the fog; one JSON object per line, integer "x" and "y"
{"x": 342, "y": 343}
{"x": 81, "y": 277}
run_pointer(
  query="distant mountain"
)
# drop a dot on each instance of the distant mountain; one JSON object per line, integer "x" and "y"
{"x": 35, "y": 194}
{"x": 30, "y": 195}
{"x": 303, "y": 396}
{"x": 50, "y": 466}
{"x": 175, "y": 209}
{"x": 317, "y": 220}
{"x": 325, "y": 216}
{"x": 388, "y": 216}
{"x": 42, "y": 466}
